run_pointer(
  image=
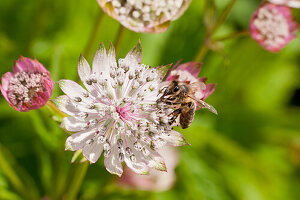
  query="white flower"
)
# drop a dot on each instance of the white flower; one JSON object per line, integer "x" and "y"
{"x": 290, "y": 3}
{"x": 118, "y": 114}
{"x": 145, "y": 15}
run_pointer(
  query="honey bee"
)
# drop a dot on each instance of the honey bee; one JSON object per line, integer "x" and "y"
{"x": 181, "y": 97}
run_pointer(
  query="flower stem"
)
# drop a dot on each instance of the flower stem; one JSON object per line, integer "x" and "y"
{"x": 54, "y": 109}
{"x": 232, "y": 35}
{"x": 223, "y": 17}
{"x": 209, "y": 34}
{"x": 93, "y": 36}
{"x": 78, "y": 177}
{"x": 119, "y": 38}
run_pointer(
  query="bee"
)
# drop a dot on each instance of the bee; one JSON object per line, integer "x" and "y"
{"x": 181, "y": 97}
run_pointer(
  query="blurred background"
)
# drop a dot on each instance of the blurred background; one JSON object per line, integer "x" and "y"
{"x": 250, "y": 151}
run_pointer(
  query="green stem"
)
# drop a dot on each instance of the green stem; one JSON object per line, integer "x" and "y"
{"x": 232, "y": 35}
{"x": 54, "y": 109}
{"x": 94, "y": 34}
{"x": 77, "y": 180}
{"x": 209, "y": 34}
{"x": 119, "y": 38}
{"x": 223, "y": 17}
{"x": 201, "y": 53}
{"x": 12, "y": 176}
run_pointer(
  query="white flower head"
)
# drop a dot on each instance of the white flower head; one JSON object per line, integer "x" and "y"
{"x": 152, "y": 16}
{"x": 117, "y": 113}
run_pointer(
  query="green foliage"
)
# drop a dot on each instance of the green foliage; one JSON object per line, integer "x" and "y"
{"x": 250, "y": 151}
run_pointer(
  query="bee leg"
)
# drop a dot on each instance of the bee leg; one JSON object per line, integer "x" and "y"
{"x": 174, "y": 115}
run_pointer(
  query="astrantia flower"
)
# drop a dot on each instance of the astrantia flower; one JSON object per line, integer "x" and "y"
{"x": 273, "y": 26}
{"x": 289, "y": 3}
{"x": 156, "y": 181}
{"x": 145, "y": 15}
{"x": 188, "y": 72}
{"x": 117, "y": 113}
{"x": 28, "y": 87}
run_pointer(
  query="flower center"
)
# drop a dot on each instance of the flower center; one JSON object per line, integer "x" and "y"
{"x": 145, "y": 11}
{"x": 272, "y": 25}
{"x": 23, "y": 87}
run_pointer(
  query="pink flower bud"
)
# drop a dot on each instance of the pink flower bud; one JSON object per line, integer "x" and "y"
{"x": 273, "y": 26}
{"x": 28, "y": 87}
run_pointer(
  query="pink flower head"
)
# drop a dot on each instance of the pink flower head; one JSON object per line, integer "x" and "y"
{"x": 188, "y": 73}
{"x": 28, "y": 87}
{"x": 273, "y": 26}
{"x": 117, "y": 113}
{"x": 289, "y": 3}
{"x": 157, "y": 180}
{"x": 151, "y": 16}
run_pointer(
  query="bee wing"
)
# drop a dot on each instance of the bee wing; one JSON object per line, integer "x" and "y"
{"x": 203, "y": 104}
{"x": 197, "y": 86}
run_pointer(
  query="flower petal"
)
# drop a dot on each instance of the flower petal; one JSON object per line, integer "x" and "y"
{"x": 100, "y": 61}
{"x": 193, "y": 68}
{"x": 78, "y": 140}
{"x": 5, "y": 83}
{"x": 175, "y": 139}
{"x": 65, "y": 104}
{"x": 163, "y": 70}
{"x": 84, "y": 70}
{"x": 111, "y": 56}
{"x": 24, "y": 64}
{"x": 92, "y": 151}
{"x": 210, "y": 88}
{"x": 74, "y": 91}
{"x": 135, "y": 54}
{"x": 72, "y": 124}
{"x": 112, "y": 162}
{"x": 154, "y": 160}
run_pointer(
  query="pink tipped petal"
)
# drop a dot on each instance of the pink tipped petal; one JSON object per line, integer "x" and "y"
{"x": 39, "y": 67}
{"x": 192, "y": 67}
{"x": 5, "y": 83}
{"x": 210, "y": 88}
{"x": 24, "y": 64}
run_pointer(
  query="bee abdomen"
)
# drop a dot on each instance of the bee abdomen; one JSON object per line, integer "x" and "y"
{"x": 187, "y": 115}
